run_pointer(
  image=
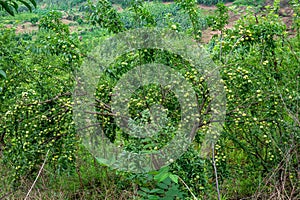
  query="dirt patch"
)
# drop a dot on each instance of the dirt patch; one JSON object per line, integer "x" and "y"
{"x": 43, "y": 6}
{"x": 27, "y": 27}
{"x": 66, "y": 21}
{"x": 208, "y": 33}
{"x": 213, "y": 7}
{"x": 73, "y": 28}
{"x": 118, "y": 7}
{"x": 167, "y": 2}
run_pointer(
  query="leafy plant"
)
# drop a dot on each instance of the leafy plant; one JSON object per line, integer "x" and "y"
{"x": 36, "y": 101}
{"x": 220, "y": 18}
{"x": 103, "y": 14}
{"x": 2, "y": 73}
{"x": 190, "y": 7}
{"x": 166, "y": 186}
{"x": 142, "y": 15}
{"x": 34, "y": 20}
{"x": 254, "y": 73}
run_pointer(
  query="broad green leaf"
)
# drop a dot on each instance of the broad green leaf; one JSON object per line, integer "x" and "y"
{"x": 145, "y": 189}
{"x": 26, "y": 4}
{"x": 2, "y": 73}
{"x": 162, "y": 185}
{"x": 15, "y": 5}
{"x": 161, "y": 176}
{"x": 174, "y": 178}
{"x": 157, "y": 190}
{"x": 7, "y": 8}
{"x": 33, "y": 3}
{"x": 153, "y": 197}
{"x": 142, "y": 193}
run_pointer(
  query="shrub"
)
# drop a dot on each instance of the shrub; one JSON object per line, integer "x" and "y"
{"x": 34, "y": 20}
{"x": 36, "y": 98}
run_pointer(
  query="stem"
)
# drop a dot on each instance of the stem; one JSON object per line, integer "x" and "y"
{"x": 221, "y": 46}
{"x": 189, "y": 189}
{"x": 37, "y": 176}
{"x": 215, "y": 170}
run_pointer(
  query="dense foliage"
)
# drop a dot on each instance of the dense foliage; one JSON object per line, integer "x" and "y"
{"x": 35, "y": 99}
{"x": 256, "y": 156}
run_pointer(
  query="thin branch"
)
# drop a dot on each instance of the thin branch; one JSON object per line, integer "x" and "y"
{"x": 6, "y": 195}
{"x": 41, "y": 169}
{"x": 215, "y": 171}
{"x": 52, "y": 99}
{"x": 189, "y": 189}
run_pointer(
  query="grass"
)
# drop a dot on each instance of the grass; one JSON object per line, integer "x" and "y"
{"x": 89, "y": 180}
{"x": 18, "y": 18}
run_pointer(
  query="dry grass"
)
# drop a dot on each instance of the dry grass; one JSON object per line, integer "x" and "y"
{"x": 88, "y": 181}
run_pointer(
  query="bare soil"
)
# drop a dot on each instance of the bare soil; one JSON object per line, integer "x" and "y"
{"x": 208, "y": 33}
{"x": 28, "y": 27}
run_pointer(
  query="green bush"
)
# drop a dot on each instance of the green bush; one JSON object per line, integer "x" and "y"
{"x": 34, "y": 20}
{"x": 36, "y": 108}
{"x": 165, "y": 16}
{"x": 261, "y": 93}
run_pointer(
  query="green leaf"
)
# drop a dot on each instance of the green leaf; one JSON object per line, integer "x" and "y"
{"x": 161, "y": 177}
{"x": 149, "y": 145}
{"x": 15, "y": 5}
{"x": 164, "y": 169}
{"x": 145, "y": 189}
{"x": 162, "y": 185}
{"x": 153, "y": 197}
{"x": 26, "y": 4}
{"x": 103, "y": 161}
{"x": 174, "y": 178}
{"x": 33, "y": 3}
{"x": 157, "y": 190}
{"x": 2, "y": 73}
{"x": 7, "y": 8}
{"x": 142, "y": 193}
